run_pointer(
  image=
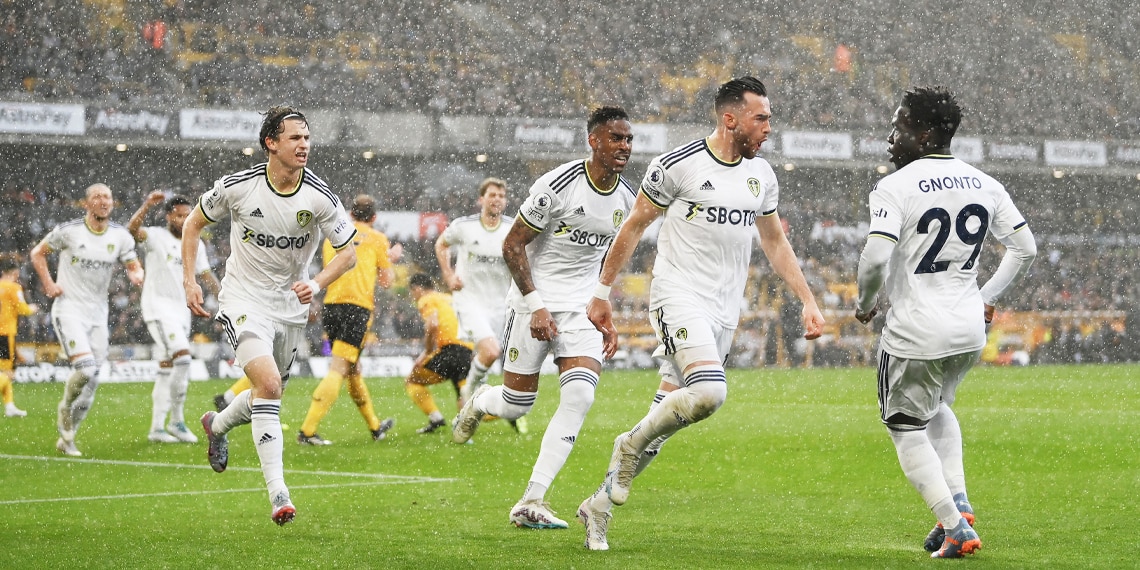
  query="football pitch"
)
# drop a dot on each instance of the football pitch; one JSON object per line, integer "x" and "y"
{"x": 795, "y": 471}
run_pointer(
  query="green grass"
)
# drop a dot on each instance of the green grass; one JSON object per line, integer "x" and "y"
{"x": 795, "y": 471}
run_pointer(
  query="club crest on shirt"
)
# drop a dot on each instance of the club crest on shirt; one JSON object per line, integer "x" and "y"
{"x": 619, "y": 217}
{"x": 304, "y": 217}
{"x": 754, "y": 186}
{"x": 683, "y": 334}
{"x": 110, "y": 248}
{"x": 513, "y": 354}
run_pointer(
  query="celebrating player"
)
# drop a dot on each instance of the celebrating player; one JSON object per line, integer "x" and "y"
{"x": 928, "y": 220}
{"x": 566, "y": 226}
{"x": 715, "y": 196}
{"x": 88, "y": 251}
{"x": 279, "y": 211}
{"x": 165, "y": 313}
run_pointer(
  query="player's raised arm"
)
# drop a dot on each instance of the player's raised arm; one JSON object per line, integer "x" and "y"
{"x": 135, "y": 225}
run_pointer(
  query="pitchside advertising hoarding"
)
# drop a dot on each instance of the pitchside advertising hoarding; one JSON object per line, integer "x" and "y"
{"x": 119, "y": 371}
{"x": 112, "y": 121}
{"x": 32, "y": 118}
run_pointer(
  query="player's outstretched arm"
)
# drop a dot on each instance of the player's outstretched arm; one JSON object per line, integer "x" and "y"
{"x": 783, "y": 260}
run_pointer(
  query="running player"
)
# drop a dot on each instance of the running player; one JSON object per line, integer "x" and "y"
{"x": 88, "y": 248}
{"x": 715, "y": 196}
{"x": 165, "y": 313}
{"x": 279, "y": 213}
{"x": 12, "y": 307}
{"x": 928, "y": 221}
{"x": 346, "y": 316}
{"x": 566, "y": 226}
{"x": 445, "y": 356}
{"x": 479, "y": 280}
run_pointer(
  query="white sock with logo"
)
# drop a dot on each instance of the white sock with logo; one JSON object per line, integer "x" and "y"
{"x": 269, "y": 441}
{"x": 575, "y": 399}
{"x": 160, "y": 399}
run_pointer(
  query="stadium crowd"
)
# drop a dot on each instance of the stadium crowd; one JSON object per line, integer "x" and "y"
{"x": 513, "y": 58}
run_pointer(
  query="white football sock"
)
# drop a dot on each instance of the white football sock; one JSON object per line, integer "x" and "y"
{"x": 922, "y": 468}
{"x": 575, "y": 399}
{"x": 237, "y": 413}
{"x": 265, "y": 425}
{"x": 946, "y": 436}
{"x": 703, "y": 395}
{"x": 505, "y": 403}
{"x": 179, "y": 382}
{"x": 477, "y": 373}
{"x": 160, "y": 399}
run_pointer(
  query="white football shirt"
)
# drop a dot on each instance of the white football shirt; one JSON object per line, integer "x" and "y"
{"x": 939, "y": 210}
{"x": 86, "y": 262}
{"x": 273, "y": 237}
{"x": 479, "y": 262}
{"x": 162, "y": 291}
{"x": 705, "y": 244}
{"x": 577, "y": 222}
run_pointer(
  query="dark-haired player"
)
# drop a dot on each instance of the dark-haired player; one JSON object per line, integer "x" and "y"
{"x": 279, "y": 213}
{"x": 445, "y": 356}
{"x": 928, "y": 220}
{"x": 715, "y": 196}
{"x": 165, "y": 313}
{"x": 562, "y": 232}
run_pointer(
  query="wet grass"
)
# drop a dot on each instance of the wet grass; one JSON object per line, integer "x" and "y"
{"x": 794, "y": 472}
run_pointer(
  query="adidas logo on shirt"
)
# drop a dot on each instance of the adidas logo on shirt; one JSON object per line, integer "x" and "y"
{"x": 707, "y": 186}
{"x": 256, "y": 213}
{"x": 570, "y": 439}
{"x": 265, "y": 438}
{"x": 581, "y": 211}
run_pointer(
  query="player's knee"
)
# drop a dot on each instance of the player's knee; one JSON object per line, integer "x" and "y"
{"x": 577, "y": 395}
{"x": 900, "y": 422}
{"x": 86, "y": 366}
{"x": 707, "y": 398}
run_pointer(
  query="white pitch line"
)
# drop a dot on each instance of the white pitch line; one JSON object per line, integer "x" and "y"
{"x": 378, "y": 476}
{"x": 194, "y": 493}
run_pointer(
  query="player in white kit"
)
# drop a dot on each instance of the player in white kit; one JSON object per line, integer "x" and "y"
{"x": 89, "y": 248}
{"x": 716, "y": 197}
{"x": 165, "y": 313}
{"x": 279, "y": 213}
{"x": 928, "y": 222}
{"x": 563, "y": 231}
{"x": 480, "y": 279}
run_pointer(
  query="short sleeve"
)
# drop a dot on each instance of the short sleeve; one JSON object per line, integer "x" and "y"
{"x": 336, "y": 226}
{"x": 127, "y": 251}
{"x": 451, "y": 235}
{"x": 771, "y": 189}
{"x": 540, "y": 206}
{"x": 214, "y": 202}
{"x": 380, "y": 242}
{"x": 657, "y": 185}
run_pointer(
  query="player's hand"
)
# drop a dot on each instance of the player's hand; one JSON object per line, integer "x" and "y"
{"x": 989, "y": 316}
{"x": 155, "y": 198}
{"x": 454, "y": 282}
{"x": 396, "y": 252}
{"x": 542, "y": 325}
{"x": 600, "y": 313}
{"x": 136, "y": 276}
{"x": 866, "y": 317}
{"x": 304, "y": 292}
{"x": 52, "y": 290}
{"x": 194, "y": 299}
{"x": 813, "y": 321}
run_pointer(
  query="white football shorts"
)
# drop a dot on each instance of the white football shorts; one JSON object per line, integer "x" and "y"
{"x": 576, "y": 337}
